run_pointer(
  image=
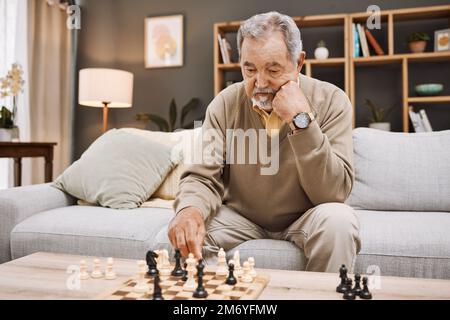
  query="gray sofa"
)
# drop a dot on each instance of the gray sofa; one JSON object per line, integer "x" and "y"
{"x": 401, "y": 194}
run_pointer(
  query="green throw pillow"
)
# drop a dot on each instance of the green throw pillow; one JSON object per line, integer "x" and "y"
{"x": 119, "y": 170}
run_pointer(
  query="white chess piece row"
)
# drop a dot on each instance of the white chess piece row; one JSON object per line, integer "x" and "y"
{"x": 97, "y": 272}
{"x": 163, "y": 262}
{"x": 246, "y": 273}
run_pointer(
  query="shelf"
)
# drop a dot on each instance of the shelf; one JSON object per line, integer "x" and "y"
{"x": 229, "y": 66}
{"x": 413, "y": 57}
{"x": 433, "y": 99}
{"x": 326, "y": 62}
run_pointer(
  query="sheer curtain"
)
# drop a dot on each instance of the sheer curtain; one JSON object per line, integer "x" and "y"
{"x": 13, "y": 49}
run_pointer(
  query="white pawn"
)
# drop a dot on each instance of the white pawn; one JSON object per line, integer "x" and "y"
{"x": 96, "y": 273}
{"x": 222, "y": 269}
{"x": 141, "y": 285}
{"x": 83, "y": 273}
{"x": 164, "y": 270}
{"x": 237, "y": 264}
{"x": 110, "y": 274}
{"x": 251, "y": 261}
{"x": 246, "y": 277}
{"x": 190, "y": 284}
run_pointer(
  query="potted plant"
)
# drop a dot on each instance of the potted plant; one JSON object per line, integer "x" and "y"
{"x": 170, "y": 126}
{"x": 321, "y": 52}
{"x": 379, "y": 116}
{"x": 418, "y": 41}
{"x": 10, "y": 86}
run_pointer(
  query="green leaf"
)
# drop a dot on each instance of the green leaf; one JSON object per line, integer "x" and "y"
{"x": 162, "y": 123}
{"x": 191, "y": 105}
{"x": 172, "y": 114}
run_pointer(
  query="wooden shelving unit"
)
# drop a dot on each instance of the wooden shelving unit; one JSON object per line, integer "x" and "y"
{"x": 348, "y": 62}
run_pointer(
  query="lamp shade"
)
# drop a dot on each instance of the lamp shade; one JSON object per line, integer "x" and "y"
{"x": 98, "y": 86}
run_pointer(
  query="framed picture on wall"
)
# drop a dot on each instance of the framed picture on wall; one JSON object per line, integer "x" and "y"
{"x": 164, "y": 41}
{"x": 442, "y": 40}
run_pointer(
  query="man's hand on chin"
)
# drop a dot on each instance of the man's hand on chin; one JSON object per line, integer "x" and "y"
{"x": 290, "y": 101}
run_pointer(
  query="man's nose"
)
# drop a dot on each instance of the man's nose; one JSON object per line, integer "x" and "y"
{"x": 261, "y": 81}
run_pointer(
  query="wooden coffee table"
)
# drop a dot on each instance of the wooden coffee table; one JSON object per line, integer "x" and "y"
{"x": 45, "y": 276}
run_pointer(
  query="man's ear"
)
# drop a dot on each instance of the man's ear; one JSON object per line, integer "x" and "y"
{"x": 301, "y": 60}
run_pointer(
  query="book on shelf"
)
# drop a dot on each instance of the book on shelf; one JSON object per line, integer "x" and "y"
{"x": 373, "y": 42}
{"x": 222, "y": 51}
{"x": 419, "y": 120}
{"x": 363, "y": 41}
{"x": 227, "y": 49}
{"x": 356, "y": 46}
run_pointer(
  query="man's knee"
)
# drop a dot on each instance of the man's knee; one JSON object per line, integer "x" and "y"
{"x": 336, "y": 218}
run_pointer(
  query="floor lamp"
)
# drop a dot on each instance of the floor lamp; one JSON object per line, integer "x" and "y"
{"x": 105, "y": 88}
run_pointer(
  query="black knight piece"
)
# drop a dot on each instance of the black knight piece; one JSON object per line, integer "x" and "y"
{"x": 200, "y": 292}
{"x": 342, "y": 287}
{"x": 231, "y": 280}
{"x": 365, "y": 293}
{"x": 177, "y": 271}
{"x": 157, "y": 292}
{"x": 151, "y": 263}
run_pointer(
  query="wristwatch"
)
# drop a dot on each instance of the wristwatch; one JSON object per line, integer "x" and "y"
{"x": 301, "y": 120}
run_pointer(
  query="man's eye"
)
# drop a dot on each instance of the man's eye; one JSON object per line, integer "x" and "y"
{"x": 274, "y": 71}
{"x": 250, "y": 71}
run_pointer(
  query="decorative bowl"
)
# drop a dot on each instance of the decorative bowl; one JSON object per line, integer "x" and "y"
{"x": 429, "y": 89}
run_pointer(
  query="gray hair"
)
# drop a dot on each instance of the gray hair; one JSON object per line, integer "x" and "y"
{"x": 259, "y": 25}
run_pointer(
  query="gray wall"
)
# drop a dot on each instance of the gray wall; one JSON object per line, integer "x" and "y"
{"x": 112, "y": 36}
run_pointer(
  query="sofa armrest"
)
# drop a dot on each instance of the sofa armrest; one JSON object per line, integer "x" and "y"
{"x": 17, "y": 204}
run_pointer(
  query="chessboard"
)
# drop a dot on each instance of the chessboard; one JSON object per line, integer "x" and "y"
{"x": 172, "y": 288}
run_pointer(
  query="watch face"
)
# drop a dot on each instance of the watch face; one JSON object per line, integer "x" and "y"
{"x": 302, "y": 120}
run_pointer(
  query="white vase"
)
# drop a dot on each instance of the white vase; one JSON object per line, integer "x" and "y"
{"x": 386, "y": 126}
{"x": 321, "y": 53}
{"x": 8, "y": 135}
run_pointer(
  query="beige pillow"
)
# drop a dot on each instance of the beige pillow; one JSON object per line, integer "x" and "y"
{"x": 119, "y": 170}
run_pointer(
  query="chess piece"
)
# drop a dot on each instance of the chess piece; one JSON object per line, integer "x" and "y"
{"x": 157, "y": 292}
{"x": 200, "y": 292}
{"x": 83, "y": 273}
{"x": 365, "y": 293}
{"x": 349, "y": 295}
{"x": 96, "y": 273}
{"x": 246, "y": 277}
{"x": 150, "y": 258}
{"x": 251, "y": 261}
{"x": 357, "y": 288}
{"x": 141, "y": 285}
{"x": 190, "y": 283}
{"x": 237, "y": 264}
{"x": 110, "y": 274}
{"x": 184, "y": 278}
{"x": 231, "y": 280}
{"x": 222, "y": 269}
{"x": 164, "y": 270}
{"x": 342, "y": 287}
{"x": 177, "y": 271}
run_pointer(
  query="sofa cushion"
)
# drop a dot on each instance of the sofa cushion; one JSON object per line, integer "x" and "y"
{"x": 119, "y": 170}
{"x": 401, "y": 171}
{"x": 408, "y": 244}
{"x": 95, "y": 231}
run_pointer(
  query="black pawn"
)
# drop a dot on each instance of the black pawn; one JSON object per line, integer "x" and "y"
{"x": 200, "y": 292}
{"x": 365, "y": 293}
{"x": 185, "y": 273}
{"x": 342, "y": 287}
{"x": 177, "y": 271}
{"x": 349, "y": 295}
{"x": 357, "y": 288}
{"x": 231, "y": 280}
{"x": 157, "y": 292}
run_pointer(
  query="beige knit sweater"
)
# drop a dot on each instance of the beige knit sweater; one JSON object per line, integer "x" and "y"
{"x": 315, "y": 164}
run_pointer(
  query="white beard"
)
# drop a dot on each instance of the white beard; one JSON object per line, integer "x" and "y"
{"x": 263, "y": 103}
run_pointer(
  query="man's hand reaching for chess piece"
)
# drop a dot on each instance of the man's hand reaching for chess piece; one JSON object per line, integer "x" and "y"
{"x": 187, "y": 232}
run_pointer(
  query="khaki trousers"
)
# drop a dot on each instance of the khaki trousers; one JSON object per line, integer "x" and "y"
{"x": 328, "y": 234}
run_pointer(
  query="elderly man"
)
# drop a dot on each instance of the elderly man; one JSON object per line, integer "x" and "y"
{"x": 223, "y": 205}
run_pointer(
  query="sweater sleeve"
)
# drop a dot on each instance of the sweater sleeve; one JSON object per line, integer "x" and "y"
{"x": 324, "y": 153}
{"x": 201, "y": 184}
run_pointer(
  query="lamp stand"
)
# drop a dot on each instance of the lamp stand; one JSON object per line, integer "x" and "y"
{"x": 105, "y": 116}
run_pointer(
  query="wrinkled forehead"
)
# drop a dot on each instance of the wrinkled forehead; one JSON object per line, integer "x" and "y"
{"x": 266, "y": 50}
